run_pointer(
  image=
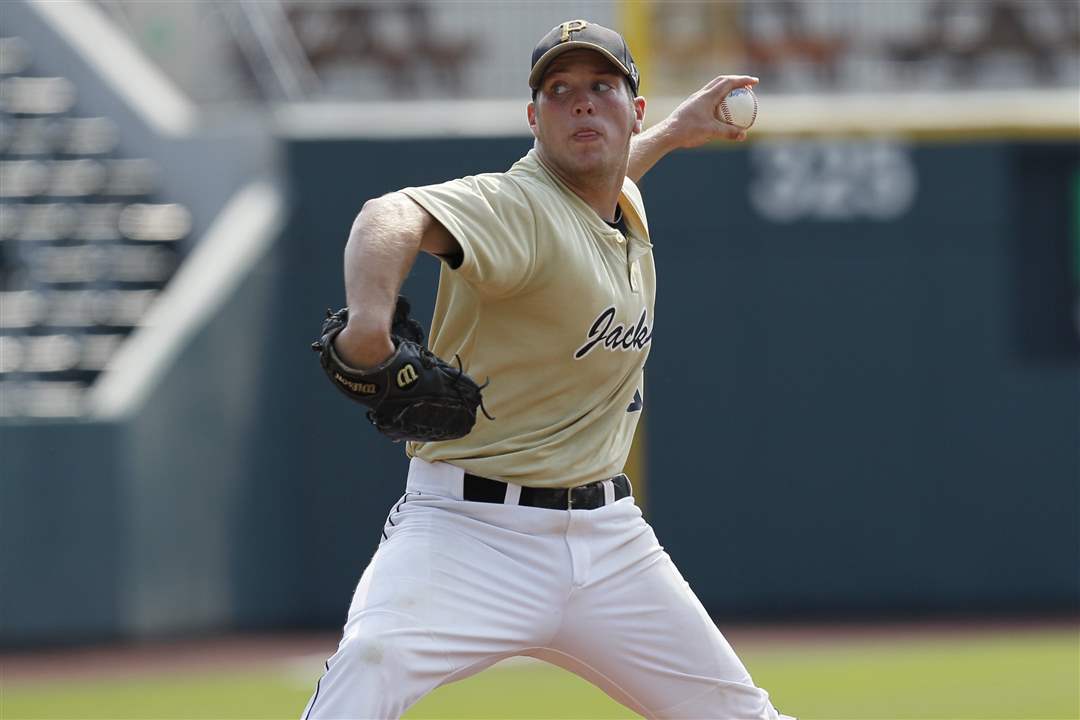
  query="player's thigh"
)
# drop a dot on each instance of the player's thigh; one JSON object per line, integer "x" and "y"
{"x": 644, "y": 634}
{"x": 437, "y": 603}
{"x": 459, "y": 579}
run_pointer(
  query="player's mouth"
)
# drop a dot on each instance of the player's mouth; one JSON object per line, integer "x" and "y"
{"x": 587, "y": 134}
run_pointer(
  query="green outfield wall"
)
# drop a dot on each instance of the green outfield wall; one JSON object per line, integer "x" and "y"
{"x": 864, "y": 390}
{"x": 863, "y": 398}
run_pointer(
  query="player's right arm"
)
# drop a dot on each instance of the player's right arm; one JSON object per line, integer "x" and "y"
{"x": 691, "y": 124}
{"x": 383, "y": 243}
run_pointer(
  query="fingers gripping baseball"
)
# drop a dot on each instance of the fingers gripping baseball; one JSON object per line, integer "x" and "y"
{"x": 698, "y": 119}
{"x": 718, "y": 91}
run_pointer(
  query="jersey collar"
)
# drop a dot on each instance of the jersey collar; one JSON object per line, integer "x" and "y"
{"x": 637, "y": 237}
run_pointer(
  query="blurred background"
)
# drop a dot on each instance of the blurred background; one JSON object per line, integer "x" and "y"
{"x": 863, "y": 420}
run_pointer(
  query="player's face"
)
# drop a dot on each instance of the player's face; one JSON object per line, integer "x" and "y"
{"x": 583, "y": 116}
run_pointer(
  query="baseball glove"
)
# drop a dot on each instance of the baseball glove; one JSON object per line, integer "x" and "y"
{"x": 413, "y": 394}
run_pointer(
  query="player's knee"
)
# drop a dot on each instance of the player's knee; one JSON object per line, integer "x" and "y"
{"x": 382, "y": 644}
{"x": 367, "y": 649}
{"x": 370, "y": 674}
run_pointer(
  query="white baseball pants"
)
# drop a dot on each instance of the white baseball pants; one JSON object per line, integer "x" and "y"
{"x": 457, "y": 586}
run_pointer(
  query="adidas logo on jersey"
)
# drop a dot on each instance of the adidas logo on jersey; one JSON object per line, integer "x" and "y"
{"x": 608, "y": 334}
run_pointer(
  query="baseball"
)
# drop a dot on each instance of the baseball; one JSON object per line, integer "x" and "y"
{"x": 739, "y": 108}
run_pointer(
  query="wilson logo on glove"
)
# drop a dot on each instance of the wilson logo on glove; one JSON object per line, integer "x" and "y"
{"x": 357, "y": 387}
{"x": 407, "y": 377}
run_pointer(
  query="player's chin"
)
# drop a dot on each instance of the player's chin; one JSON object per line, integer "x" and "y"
{"x": 590, "y": 154}
{"x": 586, "y": 165}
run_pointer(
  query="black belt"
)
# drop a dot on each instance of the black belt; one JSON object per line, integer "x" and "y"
{"x": 582, "y": 497}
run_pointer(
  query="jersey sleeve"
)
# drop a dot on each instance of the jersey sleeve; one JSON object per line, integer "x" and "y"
{"x": 493, "y": 222}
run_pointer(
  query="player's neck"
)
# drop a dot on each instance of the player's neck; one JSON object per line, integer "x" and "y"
{"x": 601, "y": 197}
{"x": 600, "y": 191}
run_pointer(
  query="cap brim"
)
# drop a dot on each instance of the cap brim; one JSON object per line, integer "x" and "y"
{"x": 545, "y": 59}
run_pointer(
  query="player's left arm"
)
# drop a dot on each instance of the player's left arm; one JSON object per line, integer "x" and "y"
{"x": 691, "y": 124}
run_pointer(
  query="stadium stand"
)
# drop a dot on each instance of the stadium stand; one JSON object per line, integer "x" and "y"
{"x": 87, "y": 241}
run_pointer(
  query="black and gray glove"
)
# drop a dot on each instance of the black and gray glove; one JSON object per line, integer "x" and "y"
{"x": 412, "y": 395}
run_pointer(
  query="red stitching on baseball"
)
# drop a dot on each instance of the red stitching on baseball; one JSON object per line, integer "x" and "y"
{"x": 726, "y": 113}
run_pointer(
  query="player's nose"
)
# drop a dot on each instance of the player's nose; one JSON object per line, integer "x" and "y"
{"x": 584, "y": 107}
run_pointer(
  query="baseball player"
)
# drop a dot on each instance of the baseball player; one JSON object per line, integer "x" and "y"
{"x": 518, "y": 533}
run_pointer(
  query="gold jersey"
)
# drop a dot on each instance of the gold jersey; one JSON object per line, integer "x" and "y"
{"x": 556, "y": 308}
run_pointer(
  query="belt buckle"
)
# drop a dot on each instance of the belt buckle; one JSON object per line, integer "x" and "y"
{"x": 585, "y": 490}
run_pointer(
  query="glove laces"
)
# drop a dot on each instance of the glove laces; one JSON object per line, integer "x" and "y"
{"x": 461, "y": 371}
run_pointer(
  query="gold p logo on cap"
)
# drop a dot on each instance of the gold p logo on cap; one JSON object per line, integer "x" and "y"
{"x": 572, "y": 27}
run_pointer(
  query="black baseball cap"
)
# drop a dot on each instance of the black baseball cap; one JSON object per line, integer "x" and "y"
{"x": 581, "y": 34}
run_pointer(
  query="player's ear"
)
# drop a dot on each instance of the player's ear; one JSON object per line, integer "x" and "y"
{"x": 639, "y": 114}
{"x": 530, "y": 111}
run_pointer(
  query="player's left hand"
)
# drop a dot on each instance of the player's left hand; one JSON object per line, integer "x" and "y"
{"x": 413, "y": 394}
{"x": 694, "y": 121}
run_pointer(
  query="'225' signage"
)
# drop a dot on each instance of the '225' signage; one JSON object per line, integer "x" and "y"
{"x": 793, "y": 180}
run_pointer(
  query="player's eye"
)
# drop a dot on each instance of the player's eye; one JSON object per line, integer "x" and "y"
{"x": 558, "y": 89}
{"x": 601, "y": 86}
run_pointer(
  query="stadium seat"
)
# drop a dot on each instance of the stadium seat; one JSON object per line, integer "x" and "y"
{"x": 41, "y": 398}
{"x": 36, "y": 95}
{"x": 44, "y": 222}
{"x": 28, "y": 136}
{"x": 21, "y": 309}
{"x": 98, "y": 222}
{"x": 22, "y": 178}
{"x": 155, "y": 222}
{"x": 85, "y": 136}
{"x": 76, "y": 178}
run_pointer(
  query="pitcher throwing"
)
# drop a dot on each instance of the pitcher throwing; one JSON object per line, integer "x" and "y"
{"x": 519, "y": 535}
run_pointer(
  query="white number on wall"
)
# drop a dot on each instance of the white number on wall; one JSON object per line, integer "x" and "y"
{"x": 832, "y": 179}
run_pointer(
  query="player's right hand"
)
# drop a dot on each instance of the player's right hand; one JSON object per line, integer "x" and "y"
{"x": 694, "y": 121}
{"x": 362, "y": 346}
